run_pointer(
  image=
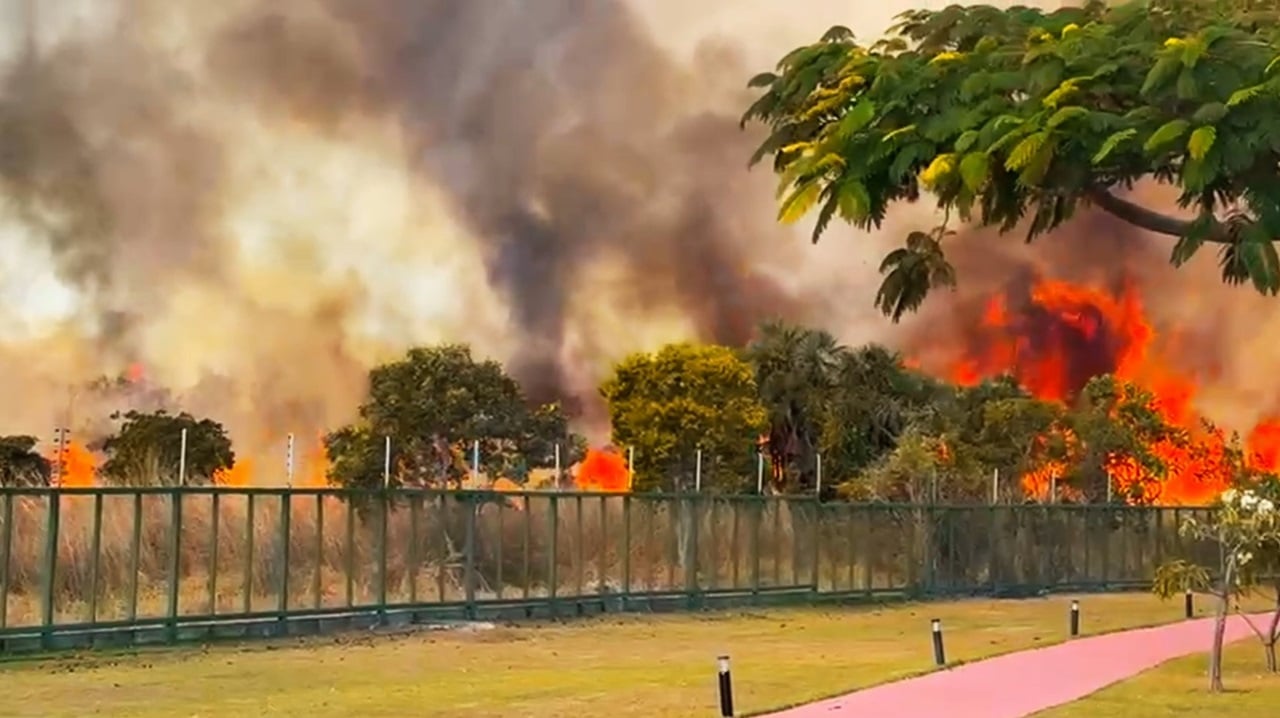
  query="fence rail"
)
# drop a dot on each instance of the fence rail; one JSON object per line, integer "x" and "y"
{"x": 114, "y": 566}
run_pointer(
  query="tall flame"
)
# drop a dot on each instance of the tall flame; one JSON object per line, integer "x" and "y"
{"x": 1056, "y": 335}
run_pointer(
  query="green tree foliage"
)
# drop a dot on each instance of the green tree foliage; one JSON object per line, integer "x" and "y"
{"x": 21, "y": 464}
{"x": 433, "y": 404}
{"x": 686, "y": 397}
{"x": 1011, "y": 114}
{"x": 147, "y": 448}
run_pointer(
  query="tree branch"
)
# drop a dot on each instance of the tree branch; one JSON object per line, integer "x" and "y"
{"x": 1152, "y": 221}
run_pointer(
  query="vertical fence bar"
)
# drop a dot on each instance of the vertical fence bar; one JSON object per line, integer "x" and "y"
{"x": 579, "y": 542}
{"x": 777, "y": 541}
{"x": 415, "y": 530}
{"x": 95, "y": 551}
{"x": 694, "y": 507}
{"x": 757, "y": 518}
{"x": 603, "y": 563}
{"x": 553, "y": 539}
{"x": 527, "y": 546}
{"x": 286, "y": 532}
{"x": 349, "y": 552}
{"x": 443, "y": 565}
{"x": 735, "y": 543}
{"x": 499, "y": 579}
{"x": 384, "y": 521}
{"x": 6, "y": 548}
{"x": 135, "y": 556}
{"x": 175, "y": 563}
{"x": 626, "y": 549}
{"x": 317, "y": 580}
{"x": 713, "y": 545}
{"x": 49, "y": 569}
{"x": 469, "y": 556}
{"x": 215, "y": 500}
{"x": 248, "y": 552}
{"x": 816, "y": 552}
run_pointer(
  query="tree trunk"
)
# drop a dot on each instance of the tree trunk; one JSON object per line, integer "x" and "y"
{"x": 1215, "y": 654}
{"x": 1269, "y": 646}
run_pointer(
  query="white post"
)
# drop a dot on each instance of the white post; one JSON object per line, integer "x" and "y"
{"x": 818, "y": 491}
{"x": 182, "y": 460}
{"x": 1053, "y": 488}
{"x": 1108, "y": 489}
{"x": 995, "y": 486}
{"x": 697, "y": 473}
{"x": 557, "y": 465}
{"x": 288, "y": 461}
{"x": 760, "y": 472}
{"x": 475, "y": 460}
{"x": 386, "y": 462}
{"x": 631, "y": 467}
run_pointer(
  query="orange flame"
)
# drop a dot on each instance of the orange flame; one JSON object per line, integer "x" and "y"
{"x": 78, "y": 468}
{"x": 1057, "y": 336}
{"x": 603, "y": 470}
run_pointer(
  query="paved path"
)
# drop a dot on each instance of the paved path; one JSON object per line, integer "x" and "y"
{"x": 1023, "y": 683}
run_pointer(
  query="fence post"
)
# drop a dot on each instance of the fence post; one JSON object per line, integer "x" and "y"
{"x": 49, "y": 568}
{"x": 384, "y": 519}
{"x": 95, "y": 549}
{"x": 214, "y": 540}
{"x": 553, "y": 553}
{"x": 626, "y": 550}
{"x": 6, "y": 547}
{"x": 286, "y": 519}
{"x": 175, "y": 562}
{"x": 135, "y": 557}
{"x": 469, "y": 556}
{"x": 250, "y": 525}
{"x": 815, "y": 534}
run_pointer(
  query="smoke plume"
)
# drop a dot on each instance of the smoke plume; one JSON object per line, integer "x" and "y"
{"x": 256, "y": 201}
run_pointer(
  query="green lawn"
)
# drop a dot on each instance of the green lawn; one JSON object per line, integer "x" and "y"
{"x": 653, "y": 666}
{"x": 1180, "y": 687}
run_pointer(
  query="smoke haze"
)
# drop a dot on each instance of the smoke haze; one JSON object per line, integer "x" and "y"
{"x": 259, "y": 200}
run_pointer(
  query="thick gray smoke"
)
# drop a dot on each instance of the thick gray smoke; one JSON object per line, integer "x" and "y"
{"x": 257, "y": 200}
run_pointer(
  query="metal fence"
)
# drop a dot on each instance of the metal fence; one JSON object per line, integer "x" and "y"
{"x": 112, "y": 566}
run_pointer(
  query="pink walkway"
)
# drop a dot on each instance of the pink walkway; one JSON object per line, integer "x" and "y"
{"x": 1020, "y": 684}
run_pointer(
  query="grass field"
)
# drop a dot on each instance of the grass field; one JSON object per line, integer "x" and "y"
{"x": 1180, "y": 687}
{"x": 653, "y": 666}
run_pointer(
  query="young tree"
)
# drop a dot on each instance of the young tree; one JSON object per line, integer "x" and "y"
{"x": 684, "y": 398}
{"x": 433, "y": 404}
{"x": 1245, "y": 531}
{"x": 147, "y": 449}
{"x": 1002, "y": 114}
{"x": 21, "y": 464}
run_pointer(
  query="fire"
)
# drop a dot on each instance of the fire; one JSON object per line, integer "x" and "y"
{"x": 78, "y": 469}
{"x": 312, "y": 472}
{"x": 1056, "y": 335}
{"x": 602, "y": 470}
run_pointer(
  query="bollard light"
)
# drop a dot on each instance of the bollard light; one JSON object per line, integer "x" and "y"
{"x": 939, "y": 654}
{"x": 1075, "y": 618}
{"x": 726, "y": 687}
{"x": 1189, "y": 604}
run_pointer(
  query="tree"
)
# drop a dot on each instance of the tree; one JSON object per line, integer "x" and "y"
{"x": 1245, "y": 531}
{"x": 147, "y": 449}
{"x": 874, "y": 401}
{"x": 684, "y": 398}
{"x": 434, "y": 404}
{"x": 21, "y": 464}
{"x": 1007, "y": 114}
{"x": 796, "y": 372}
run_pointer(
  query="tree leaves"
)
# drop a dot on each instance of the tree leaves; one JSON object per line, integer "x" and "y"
{"x": 910, "y": 272}
{"x": 1063, "y": 105}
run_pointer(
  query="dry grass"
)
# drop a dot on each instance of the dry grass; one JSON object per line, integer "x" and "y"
{"x": 1180, "y": 687}
{"x": 655, "y": 667}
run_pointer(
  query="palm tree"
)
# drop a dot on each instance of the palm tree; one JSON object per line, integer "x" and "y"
{"x": 796, "y": 370}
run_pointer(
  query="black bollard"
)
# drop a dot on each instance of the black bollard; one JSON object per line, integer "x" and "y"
{"x": 939, "y": 655}
{"x": 726, "y": 687}
{"x": 1188, "y": 604}
{"x": 1075, "y": 618}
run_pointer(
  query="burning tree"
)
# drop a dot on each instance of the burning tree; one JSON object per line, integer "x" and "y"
{"x": 1005, "y": 113}
{"x": 1244, "y": 531}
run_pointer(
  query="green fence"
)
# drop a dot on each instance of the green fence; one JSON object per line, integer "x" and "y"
{"x": 99, "y": 567}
